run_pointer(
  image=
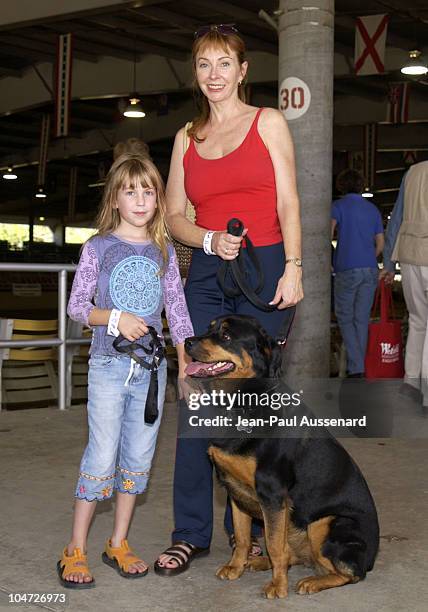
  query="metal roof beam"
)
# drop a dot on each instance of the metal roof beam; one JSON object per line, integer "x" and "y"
{"x": 142, "y": 30}
{"x": 35, "y": 40}
{"x": 12, "y": 50}
{"x": 29, "y": 12}
{"x": 9, "y": 71}
{"x": 126, "y": 46}
{"x": 235, "y": 12}
{"x": 191, "y": 25}
{"x": 165, "y": 15}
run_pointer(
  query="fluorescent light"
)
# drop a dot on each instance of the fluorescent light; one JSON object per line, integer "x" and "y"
{"x": 415, "y": 66}
{"x": 9, "y": 175}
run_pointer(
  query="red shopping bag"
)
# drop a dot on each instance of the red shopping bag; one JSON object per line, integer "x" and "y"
{"x": 384, "y": 356}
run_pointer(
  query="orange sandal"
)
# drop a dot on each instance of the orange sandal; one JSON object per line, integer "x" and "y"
{"x": 121, "y": 558}
{"x": 74, "y": 564}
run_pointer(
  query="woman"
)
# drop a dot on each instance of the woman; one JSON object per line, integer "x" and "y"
{"x": 239, "y": 163}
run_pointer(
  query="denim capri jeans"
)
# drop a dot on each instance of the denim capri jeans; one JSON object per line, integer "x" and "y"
{"x": 121, "y": 445}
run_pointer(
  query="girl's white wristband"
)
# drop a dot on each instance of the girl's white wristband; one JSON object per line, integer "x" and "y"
{"x": 113, "y": 322}
{"x": 208, "y": 238}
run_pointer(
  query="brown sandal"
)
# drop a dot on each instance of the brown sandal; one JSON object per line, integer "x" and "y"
{"x": 74, "y": 564}
{"x": 121, "y": 558}
{"x": 182, "y": 556}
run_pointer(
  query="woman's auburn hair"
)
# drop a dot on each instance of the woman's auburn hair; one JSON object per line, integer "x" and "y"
{"x": 227, "y": 43}
{"x": 131, "y": 170}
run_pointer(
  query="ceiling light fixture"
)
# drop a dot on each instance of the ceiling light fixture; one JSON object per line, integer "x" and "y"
{"x": 10, "y": 175}
{"x": 40, "y": 193}
{"x": 367, "y": 193}
{"x": 134, "y": 108}
{"x": 415, "y": 66}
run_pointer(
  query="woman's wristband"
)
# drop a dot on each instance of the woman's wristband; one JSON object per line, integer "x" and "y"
{"x": 206, "y": 244}
{"x": 113, "y": 322}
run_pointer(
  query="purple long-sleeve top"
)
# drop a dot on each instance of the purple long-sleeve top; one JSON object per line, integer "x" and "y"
{"x": 114, "y": 273}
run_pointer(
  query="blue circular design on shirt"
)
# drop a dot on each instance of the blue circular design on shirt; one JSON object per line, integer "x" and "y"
{"x": 135, "y": 285}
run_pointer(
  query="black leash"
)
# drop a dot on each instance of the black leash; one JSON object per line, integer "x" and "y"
{"x": 236, "y": 268}
{"x": 156, "y": 349}
{"x": 237, "y": 271}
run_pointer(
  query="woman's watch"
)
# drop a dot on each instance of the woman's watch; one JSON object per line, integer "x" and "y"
{"x": 296, "y": 260}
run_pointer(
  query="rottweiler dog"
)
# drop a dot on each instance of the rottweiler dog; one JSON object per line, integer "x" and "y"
{"x": 315, "y": 504}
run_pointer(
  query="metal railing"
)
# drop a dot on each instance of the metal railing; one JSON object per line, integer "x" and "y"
{"x": 62, "y": 341}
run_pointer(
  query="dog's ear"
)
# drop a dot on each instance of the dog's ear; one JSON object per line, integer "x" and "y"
{"x": 276, "y": 360}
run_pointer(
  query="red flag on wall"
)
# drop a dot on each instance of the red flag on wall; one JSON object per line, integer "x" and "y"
{"x": 63, "y": 85}
{"x": 398, "y": 103}
{"x": 370, "y": 39}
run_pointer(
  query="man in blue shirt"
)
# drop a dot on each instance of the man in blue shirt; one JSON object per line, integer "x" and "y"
{"x": 360, "y": 241}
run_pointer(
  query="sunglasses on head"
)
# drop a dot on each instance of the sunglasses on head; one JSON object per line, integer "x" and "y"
{"x": 221, "y": 28}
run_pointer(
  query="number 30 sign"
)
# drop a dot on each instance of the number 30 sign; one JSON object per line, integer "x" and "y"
{"x": 294, "y": 98}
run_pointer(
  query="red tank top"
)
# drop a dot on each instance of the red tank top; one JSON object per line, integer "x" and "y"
{"x": 240, "y": 184}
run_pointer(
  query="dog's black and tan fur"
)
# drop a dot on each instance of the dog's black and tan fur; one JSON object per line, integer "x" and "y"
{"x": 314, "y": 501}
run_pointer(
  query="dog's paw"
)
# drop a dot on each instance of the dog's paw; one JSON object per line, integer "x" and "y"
{"x": 229, "y": 572}
{"x": 275, "y": 590}
{"x": 258, "y": 564}
{"x": 308, "y": 585}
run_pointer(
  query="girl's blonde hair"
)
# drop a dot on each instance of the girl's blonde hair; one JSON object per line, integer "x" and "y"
{"x": 225, "y": 42}
{"x": 132, "y": 170}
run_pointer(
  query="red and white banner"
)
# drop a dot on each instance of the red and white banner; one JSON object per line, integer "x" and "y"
{"x": 398, "y": 102}
{"x": 43, "y": 153}
{"x": 63, "y": 85}
{"x": 370, "y": 39}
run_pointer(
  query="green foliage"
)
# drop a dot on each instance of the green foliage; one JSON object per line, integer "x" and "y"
{"x": 78, "y": 235}
{"x": 14, "y": 233}
{"x": 18, "y": 233}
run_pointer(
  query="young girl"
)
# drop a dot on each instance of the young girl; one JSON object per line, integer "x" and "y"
{"x": 130, "y": 271}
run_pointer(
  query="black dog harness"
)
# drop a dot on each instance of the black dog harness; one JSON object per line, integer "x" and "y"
{"x": 156, "y": 349}
{"x": 236, "y": 269}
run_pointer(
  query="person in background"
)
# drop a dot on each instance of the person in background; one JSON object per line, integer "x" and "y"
{"x": 360, "y": 241}
{"x": 407, "y": 242}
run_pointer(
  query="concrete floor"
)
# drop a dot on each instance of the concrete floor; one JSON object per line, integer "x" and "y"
{"x": 40, "y": 452}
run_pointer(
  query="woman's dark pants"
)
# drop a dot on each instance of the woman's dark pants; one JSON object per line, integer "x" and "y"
{"x": 193, "y": 479}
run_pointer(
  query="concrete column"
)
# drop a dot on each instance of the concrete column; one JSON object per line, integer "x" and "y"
{"x": 59, "y": 234}
{"x": 306, "y": 42}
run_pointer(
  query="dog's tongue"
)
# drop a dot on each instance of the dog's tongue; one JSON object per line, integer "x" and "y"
{"x": 198, "y": 368}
